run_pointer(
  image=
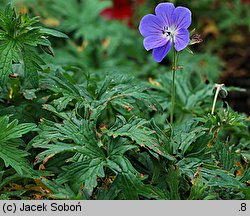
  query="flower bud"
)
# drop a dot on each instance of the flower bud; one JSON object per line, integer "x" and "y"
{"x": 222, "y": 90}
{"x": 194, "y": 39}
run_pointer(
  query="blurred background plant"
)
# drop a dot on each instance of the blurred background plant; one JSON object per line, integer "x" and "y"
{"x": 105, "y": 38}
{"x": 102, "y": 103}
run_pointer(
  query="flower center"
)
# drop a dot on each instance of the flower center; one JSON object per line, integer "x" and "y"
{"x": 168, "y": 32}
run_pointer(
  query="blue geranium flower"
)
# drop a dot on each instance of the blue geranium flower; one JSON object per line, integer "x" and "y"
{"x": 168, "y": 26}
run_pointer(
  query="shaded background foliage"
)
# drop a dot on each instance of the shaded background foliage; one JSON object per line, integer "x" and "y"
{"x": 88, "y": 117}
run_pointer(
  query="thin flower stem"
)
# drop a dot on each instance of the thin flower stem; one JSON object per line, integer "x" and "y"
{"x": 216, "y": 96}
{"x": 174, "y": 66}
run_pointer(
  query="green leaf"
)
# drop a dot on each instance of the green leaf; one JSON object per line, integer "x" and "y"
{"x": 61, "y": 148}
{"x": 62, "y": 102}
{"x": 109, "y": 194}
{"x": 185, "y": 136}
{"x": 11, "y": 155}
{"x": 129, "y": 187}
{"x": 7, "y": 55}
{"x": 127, "y": 183}
{"x": 29, "y": 94}
{"x": 137, "y": 131}
{"x": 8, "y": 195}
{"x": 220, "y": 178}
{"x": 52, "y": 32}
{"x": 85, "y": 172}
{"x": 32, "y": 64}
{"x": 198, "y": 187}
{"x": 226, "y": 157}
{"x": 173, "y": 176}
{"x": 59, "y": 191}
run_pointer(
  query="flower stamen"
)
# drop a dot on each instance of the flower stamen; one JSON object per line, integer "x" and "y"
{"x": 166, "y": 31}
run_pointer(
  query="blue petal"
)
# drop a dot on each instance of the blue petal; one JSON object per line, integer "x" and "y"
{"x": 155, "y": 41}
{"x": 165, "y": 12}
{"x": 150, "y": 25}
{"x": 160, "y": 52}
{"x": 181, "y": 39}
{"x": 182, "y": 17}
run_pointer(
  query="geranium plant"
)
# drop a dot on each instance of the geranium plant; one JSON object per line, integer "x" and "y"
{"x": 167, "y": 28}
{"x": 86, "y": 119}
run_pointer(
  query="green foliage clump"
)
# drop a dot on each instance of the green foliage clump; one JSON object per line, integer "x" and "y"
{"x": 18, "y": 36}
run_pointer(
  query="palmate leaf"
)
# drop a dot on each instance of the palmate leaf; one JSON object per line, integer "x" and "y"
{"x": 60, "y": 84}
{"x": 137, "y": 131}
{"x": 75, "y": 138}
{"x": 10, "y": 154}
{"x": 186, "y": 135}
{"x": 90, "y": 157}
{"x": 70, "y": 136}
{"x": 85, "y": 172}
